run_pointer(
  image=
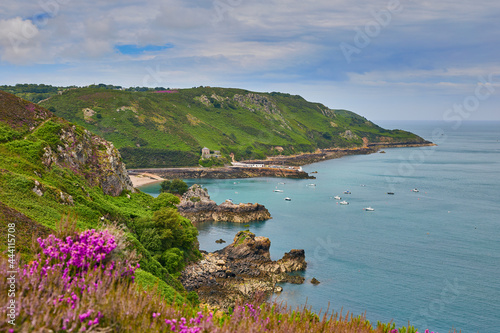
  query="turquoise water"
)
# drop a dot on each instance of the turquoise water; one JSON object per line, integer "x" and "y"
{"x": 432, "y": 257}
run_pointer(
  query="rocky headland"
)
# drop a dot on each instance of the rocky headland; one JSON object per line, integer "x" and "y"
{"x": 197, "y": 206}
{"x": 240, "y": 270}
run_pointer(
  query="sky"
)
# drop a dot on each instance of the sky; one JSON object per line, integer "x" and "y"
{"x": 383, "y": 59}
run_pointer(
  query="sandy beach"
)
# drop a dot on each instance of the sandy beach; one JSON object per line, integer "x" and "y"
{"x": 144, "y": 179}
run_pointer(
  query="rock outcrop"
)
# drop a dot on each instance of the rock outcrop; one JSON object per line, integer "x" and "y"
{"x": 91, "y": 156}
{"x": 197, "y": 206}
{"x": 240, "y": 270}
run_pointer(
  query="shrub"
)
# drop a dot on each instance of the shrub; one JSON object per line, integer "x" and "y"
{"x": 176, "y": 186}
{"x": 165, "y": 200}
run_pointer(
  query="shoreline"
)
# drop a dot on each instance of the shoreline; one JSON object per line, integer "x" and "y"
{"x": 143, "y": 178}
{"x": 146, "y": 176}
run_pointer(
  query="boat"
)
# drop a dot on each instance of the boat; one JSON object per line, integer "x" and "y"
{"x": 337, "y": 197}
{"x": 415, "y": 190}
{"x": 368, "y": 209}
{"x": 311, "y": 184}
{"x": 288, "y": 199}
{"x": 391, "y": 193}
{"x": 280, "y": 191}
{"x": 347, "y": 192}
{"x": 281, "y": 183}
{"x": 343, "y": 202}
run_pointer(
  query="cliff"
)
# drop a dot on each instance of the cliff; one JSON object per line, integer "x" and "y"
{"x": 197, "y": 206}
{"x": 240, "y": 270}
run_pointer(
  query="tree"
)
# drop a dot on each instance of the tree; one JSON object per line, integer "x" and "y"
{"x": 176, "y": 186}
{"x": 167, "y": 200}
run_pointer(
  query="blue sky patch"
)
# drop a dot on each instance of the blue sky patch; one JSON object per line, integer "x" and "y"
{"x": 131, "y": 49}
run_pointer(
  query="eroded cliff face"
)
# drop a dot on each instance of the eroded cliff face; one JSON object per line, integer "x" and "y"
{"x": 197, "y": 206}
{"x": 91, "y": 156}
{"x": 240, "y": 270}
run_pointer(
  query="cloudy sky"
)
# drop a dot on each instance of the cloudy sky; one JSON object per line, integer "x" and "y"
{"x": 390, "y": 59}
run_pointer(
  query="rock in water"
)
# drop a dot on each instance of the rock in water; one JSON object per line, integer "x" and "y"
{"x": 240, "y": 270}
{"x": 197, "y": 206}
{"x": 314, "y": 281}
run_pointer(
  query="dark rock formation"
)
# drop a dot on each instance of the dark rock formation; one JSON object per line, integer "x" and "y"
{"x": 315, "y": 281}
{"x": 240, "y": 270}
{"x": 197, "y": 206}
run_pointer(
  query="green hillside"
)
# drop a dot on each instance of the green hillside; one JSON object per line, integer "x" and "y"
{"x": 50, "y": 168}
{"x": 160, "y": 128}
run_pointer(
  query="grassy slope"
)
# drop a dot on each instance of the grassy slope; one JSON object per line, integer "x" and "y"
{"x": 25, "y": 129}
{"x": 230, "y": 120}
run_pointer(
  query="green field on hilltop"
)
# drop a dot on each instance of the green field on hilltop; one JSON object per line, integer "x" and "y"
{"x": 168, "y": 128}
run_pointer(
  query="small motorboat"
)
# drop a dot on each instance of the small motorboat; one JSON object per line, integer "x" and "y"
{"x": 311, "y": 184}
{"x": 368, "y": 209}
{"x": 337, "y": 197}
{"x": 280, "y": 191}
{"x": 415, "y": 190}
{"x": 390, "y": 193}
{"x": 343, "y": 202}
{"x": 288, "y": 199}
{"x": 347, "y": 192}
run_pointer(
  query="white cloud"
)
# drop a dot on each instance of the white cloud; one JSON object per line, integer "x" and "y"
{"x": 19, "y": 41}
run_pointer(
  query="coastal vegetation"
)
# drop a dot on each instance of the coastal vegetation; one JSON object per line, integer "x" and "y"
{"x": 174, "y": 186}
{"x": 50, "y": 168}
{"x": 82, "y": 282}
{"x": 168, "y": 128}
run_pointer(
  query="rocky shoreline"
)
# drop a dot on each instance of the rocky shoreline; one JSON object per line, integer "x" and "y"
{"x": 240, "y": 270}
{"x": 197, "y": 206}
{"x": 233, "y": 172}
{"x": 332, "y": 153}
{"x": 229, "y": 172}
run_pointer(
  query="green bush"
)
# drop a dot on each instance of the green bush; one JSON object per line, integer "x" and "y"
{"x": 165, "y": 200}
{"x": 173, "y": 260}
{"x": 176, "y": 186}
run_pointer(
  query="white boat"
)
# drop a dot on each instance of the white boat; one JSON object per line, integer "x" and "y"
{"x": 337, "y": 197}
{"x": 347, "y": 192}
{"x": 281, "y": 183}
{"x": 415, "y": 190}
{"x": 280, "y": 191}
{"x": 369, "y": 209}
{"x": 288, "y": 199}
{"x": 311, "y": 184}
{"x": 343, "y": 202}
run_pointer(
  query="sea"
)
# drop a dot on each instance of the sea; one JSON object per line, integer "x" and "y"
{"x": 431, "y": 258}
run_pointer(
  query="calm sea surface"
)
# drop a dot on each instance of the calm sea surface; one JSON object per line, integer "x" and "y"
{"x": 431, "y": 257}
